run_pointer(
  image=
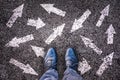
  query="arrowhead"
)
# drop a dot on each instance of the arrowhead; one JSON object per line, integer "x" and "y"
{"x": 39, "y": 24}
{"x": 59, "y": 29}
{"x": 13, "y": 43}
{"x": 86, "y": 41}
{"x": 84, "y": 66}
{"x": 108, "y": 58}
{"x": 39, "y": 51}
{"x": 47, "y": 7}
{"x": 105, "y": 11}
{"x": 18, "y": 10}
{"x": 76, "y": 25}
{"x": 29, "y": 70}
{"x": 110, "y": 30}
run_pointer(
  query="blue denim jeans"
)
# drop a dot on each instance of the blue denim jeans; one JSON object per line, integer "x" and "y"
{"x": 69, "y": 74}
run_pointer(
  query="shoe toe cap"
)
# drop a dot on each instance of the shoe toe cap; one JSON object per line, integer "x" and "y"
{"x": 51, "y": 52}
{"x": 70, "y": 52}
{"x": 70, "y": 55}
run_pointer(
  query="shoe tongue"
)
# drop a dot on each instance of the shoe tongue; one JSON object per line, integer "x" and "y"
{"x": 49, "y": 62}
{"x": 68, "y": 63}
{"x": 49, "y": 59}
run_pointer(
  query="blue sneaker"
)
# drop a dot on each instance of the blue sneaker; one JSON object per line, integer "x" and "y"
{"x": 51, "y": 59}
{"x": 71, "y": 59}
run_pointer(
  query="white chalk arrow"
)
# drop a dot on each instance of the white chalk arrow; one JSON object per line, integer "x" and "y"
{"x": 83, "y": 66}
{"x": 107, "y": 62}
{"x": 104, "y": 12}
{"x": 39, "y": 51}
{"x": 37, "y": 23}
{"x": 50, "y": 8}
{"x": 110, "y": 31}
{"x": 78, "y": 23}
{"x": 89, "y": 43}
{"x": 57, "y": 32}
{"x": 17, "y": 13}
{"x": 16, "y": 41}
{"x": 26, "y": 68}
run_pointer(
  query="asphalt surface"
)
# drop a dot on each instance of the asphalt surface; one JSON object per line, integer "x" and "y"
{"x": 74, "y": 9}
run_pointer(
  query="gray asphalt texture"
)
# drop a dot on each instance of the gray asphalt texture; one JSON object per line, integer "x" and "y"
{"x": 74, "y": 9}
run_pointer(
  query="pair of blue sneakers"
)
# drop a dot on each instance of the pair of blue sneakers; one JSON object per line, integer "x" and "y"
{"x": 51, "y": 59}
